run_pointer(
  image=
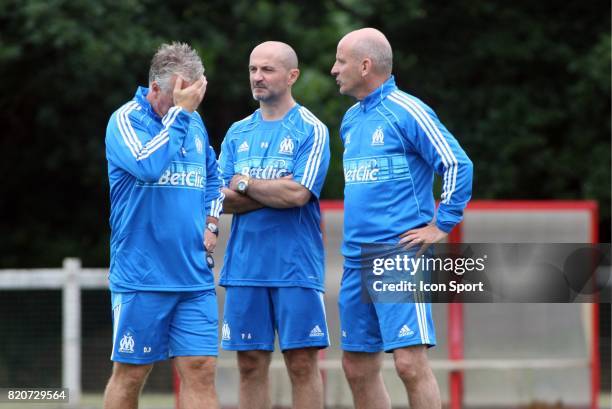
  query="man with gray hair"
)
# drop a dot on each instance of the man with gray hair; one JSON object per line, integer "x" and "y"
{"x": 393, "y": 144}
{"x": 166, "y": 197}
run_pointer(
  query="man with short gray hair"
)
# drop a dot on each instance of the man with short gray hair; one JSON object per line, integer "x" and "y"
{"x": 393, "y": 145}
{"x": 165, "y": 203}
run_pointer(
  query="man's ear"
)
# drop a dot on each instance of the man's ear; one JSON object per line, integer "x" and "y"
{"x": 366, "y": 67}
{"x": 294, "y": 74}
{"x": 154, "y": 87}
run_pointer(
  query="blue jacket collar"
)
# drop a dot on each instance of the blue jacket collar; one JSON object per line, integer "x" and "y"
{"x": 378, "y": 94}
{"x": 141, "y": 98}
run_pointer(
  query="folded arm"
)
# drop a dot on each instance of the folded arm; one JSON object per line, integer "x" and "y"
{"x": 280, "y": 193}
{"x": 235, "y": 202}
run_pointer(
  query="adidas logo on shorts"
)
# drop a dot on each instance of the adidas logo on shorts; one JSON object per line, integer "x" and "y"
{"x": 405, "y": 332}
{"x": 316, "y": 332}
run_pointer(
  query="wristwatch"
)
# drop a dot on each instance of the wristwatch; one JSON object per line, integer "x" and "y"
{"x": 243, "y": 185}
{"x": 213, "y": 228}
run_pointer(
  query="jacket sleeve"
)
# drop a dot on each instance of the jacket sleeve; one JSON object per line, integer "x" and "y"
{"x": 132, "y": 147}
{"x": 439, "y": 148}
{"x": 214, "y": 183}
{"x": 312, "y": 159}
{"x": 226, "y": 161}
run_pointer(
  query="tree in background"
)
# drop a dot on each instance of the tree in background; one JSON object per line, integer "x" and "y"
{"x": 524, "y": 85}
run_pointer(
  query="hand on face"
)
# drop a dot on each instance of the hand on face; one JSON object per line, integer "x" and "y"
{"x": 189, "y": 98}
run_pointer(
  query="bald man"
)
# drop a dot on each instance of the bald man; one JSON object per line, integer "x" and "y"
{"x": 274, "y": 164}
{"x": 393, "y": 145}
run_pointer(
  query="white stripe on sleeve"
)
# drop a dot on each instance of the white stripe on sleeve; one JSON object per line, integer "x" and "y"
{"x": 437, "y": 140}
{"x": 316, "y": 152}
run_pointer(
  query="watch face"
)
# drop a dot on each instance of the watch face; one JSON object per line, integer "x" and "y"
{"x": 242, "y": 186}
{"x": 212, "y": 227}
{"x": 210, "y": 261}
